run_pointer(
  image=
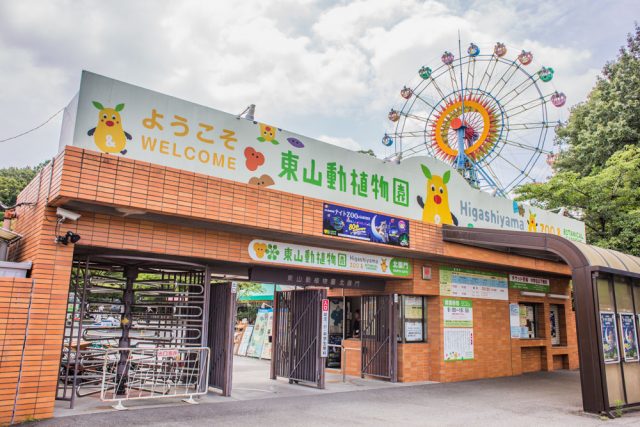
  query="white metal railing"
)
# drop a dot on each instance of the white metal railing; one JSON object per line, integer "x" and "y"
{"x": 152, "y": 373}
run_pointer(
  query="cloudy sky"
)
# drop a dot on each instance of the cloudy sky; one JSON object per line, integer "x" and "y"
{"x": 325, "y": 69}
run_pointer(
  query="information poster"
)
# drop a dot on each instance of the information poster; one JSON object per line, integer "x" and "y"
{"x": 413, "y": 318}
{"x": 244, "y": 344}
{"x": 554, "y": 321}
{"x": 266, "y": 347}
{"x": 514, "y": 320}
{"x": 458, "y": 344}
{"x": 459, "y": 282}
{"x": 362, "y": 225}
{"x": 458, "y": 313}
{"x": 527, "y": 283}
{"x": 609, "y": 337}
{"x": 629, "y": 337}
{"x": 259, "y": 333}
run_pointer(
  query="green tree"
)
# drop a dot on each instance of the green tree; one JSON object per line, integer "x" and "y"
{"x": 13, "y": 180}
{"x": 597, "y": 174}
{"x": 610, "y": 117}
{"x": 608, "y": 201}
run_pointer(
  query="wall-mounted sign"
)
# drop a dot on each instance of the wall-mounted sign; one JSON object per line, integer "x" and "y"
{"x": 458, "y": 344}
{"x": 125, "y": 120}
{"x": 362, "y": 225}
{"x": 324, "y": 339}
{"x": 554, "y": 322}
{"x": 327, "y": 259}
{"x": 458, "y": 313}
{"x": 426, "y": 272}
{"x": 629, "y": 337}
{"x": 609, "y": 337}
{"x": 527, "y": 283}
{"x": 514, "y": 320}
{"x": 460, "y": 282}
{"x": 286, "y": 276}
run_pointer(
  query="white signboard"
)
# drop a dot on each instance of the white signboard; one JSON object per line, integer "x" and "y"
{"x": 514, "y": 320}
{"x": 458, "y": 344}
{"x": 461, "y": 282}
{"x": 324, "y": 347}
{"x": 458, "y": 313}
{"x": 125, "y": 120}
{"x": 289, "y": 254}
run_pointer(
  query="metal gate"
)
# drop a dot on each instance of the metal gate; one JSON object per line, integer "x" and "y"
{"x": 297, "y": 328}
{"x": 124, "y": 302}
{"x": 379, "y": 343}
{"x": 222, "y": 312}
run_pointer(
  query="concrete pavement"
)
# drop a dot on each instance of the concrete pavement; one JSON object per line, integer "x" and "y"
{"x": 544, "y": 398}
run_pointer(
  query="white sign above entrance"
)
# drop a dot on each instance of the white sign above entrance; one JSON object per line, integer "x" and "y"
{"x": 289, "y": 254}
{"x": 126, "y": 120}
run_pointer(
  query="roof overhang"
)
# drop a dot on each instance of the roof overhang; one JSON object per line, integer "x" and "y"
{"x": 546, "y": 246}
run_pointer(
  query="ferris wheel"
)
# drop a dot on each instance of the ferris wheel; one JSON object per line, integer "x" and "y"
{"x": 484, "y": 114}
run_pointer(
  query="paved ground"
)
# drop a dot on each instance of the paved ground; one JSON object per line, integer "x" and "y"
{"x": 529, "y": 400}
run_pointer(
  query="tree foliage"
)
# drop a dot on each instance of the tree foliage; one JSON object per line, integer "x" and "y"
{"x": 608, "y": 200}
{"x": 13, "y": 180}
{"x": 609, "y": 119}
{"x": 597, "y": 174}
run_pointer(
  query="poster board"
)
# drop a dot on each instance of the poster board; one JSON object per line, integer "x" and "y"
{"x": 514, "y": 320}
{"x": 458, "y": 330}
{"x": 458, "y": 344}
{"x": 609, "y": 334}
{"x": 413, "y": 318}
{"x": 629, "y": 337}
{"x": 461, "y": 282}
{"x": 458, "y": 313}
{"x": 244, "y": 343}
{"x": 266, "y": 347}
{"x": 259, "y": 332}
{"x": 554, "y": 321}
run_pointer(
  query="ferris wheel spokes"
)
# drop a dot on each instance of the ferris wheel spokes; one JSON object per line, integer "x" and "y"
{"x": 485, "y": 115}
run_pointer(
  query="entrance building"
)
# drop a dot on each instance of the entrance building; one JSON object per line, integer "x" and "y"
{"x": 200, "y": 199}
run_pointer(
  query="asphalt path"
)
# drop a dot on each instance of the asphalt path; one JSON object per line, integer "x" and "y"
{"x": 549, "y": 399}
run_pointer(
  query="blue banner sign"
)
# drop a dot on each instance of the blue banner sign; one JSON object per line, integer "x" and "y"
{"x": 362, "y": 225}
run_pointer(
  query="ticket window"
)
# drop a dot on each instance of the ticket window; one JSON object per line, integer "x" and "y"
{"x": 530, "y": 314}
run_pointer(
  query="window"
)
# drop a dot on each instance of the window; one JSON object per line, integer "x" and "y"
{"x": 529, "y": 315}
{"x": 412, "y": 315}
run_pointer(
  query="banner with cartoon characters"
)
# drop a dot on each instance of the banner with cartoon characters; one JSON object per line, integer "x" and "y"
{"x": 125, "y": 120}
{"x": 362, "y": 225}
{"x": 289, "y": 254}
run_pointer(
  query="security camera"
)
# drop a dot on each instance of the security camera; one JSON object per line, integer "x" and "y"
{"x": 64, "y": 214}
{"x": 69, "y": 237}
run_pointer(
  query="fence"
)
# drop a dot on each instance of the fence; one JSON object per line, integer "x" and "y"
{"x": 151, "y": 373}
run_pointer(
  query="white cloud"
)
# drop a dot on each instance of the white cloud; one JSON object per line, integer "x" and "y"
{"x": 314, "y": 67}
{"x": 348, "y": 143}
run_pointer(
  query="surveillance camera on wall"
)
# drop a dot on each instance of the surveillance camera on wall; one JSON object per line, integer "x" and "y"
{"x": 64, "y": 214}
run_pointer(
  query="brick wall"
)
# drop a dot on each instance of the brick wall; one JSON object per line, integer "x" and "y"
{"x": 101, "y": 179}
{"x": 15, "y": 300}
{"x": 50, "y": 274}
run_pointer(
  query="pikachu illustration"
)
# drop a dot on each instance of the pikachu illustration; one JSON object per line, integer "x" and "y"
{"x": 108, "y": 135}
{"x": 268, "y": 133}
{"x": 531, "y": 222}
{"x": 436, "y": 207}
